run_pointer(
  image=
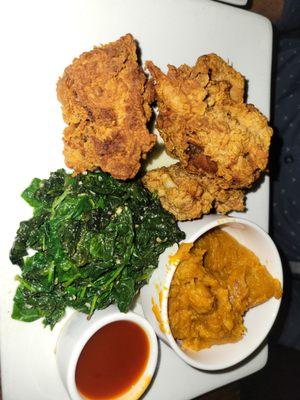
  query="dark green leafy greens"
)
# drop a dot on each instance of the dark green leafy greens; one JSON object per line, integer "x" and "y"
{"x": 92, "y": 241}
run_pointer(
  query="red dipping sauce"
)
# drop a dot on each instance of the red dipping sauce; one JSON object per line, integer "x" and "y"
{"x": 112, "y": 360}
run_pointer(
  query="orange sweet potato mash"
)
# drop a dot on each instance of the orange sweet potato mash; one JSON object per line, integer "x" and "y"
{"x": 214, "y": 285}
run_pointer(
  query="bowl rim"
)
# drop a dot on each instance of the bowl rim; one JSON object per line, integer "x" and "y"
{"x": 219, "y": 222}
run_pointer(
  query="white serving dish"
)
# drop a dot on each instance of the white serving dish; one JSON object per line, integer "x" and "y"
{"x": 258, "y": 321}
{"x": 78, "y": 330}
{"x": 41, "y": 39}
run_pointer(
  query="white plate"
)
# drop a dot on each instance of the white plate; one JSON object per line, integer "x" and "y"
{"x": 40, "y": 39}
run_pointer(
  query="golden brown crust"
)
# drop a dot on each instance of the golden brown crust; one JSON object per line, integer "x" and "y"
{"x": 220, "y": 71}
{"x": 105, "y": 100}
{"x": 204, "y": 122}
{"x": 189, "y": 196}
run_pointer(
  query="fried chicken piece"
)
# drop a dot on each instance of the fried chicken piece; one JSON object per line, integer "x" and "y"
{"x": 219, "y": 71}
{"x": 189, "y": 196}
{"x": 105, "y": 98}
{"x": 204, "y": 122}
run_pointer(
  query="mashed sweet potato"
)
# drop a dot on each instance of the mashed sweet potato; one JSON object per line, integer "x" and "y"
{"x": 215, "y": 283}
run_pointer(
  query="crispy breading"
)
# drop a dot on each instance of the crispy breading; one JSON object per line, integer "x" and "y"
{"x": 105, "y": 98}
{"x": 204, "y": 122}
{"x": 219, "y": 71}
{"x": 189, "y": 196}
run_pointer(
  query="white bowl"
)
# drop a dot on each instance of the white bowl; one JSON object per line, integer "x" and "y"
{"x": 258, "y": 320}
{"x": 78, "y": 330}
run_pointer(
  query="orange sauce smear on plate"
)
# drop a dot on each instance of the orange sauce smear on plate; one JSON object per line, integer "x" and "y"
{"x": 112, "y": 361}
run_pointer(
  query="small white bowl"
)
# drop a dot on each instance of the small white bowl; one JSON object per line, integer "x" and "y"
{"x": 78, "y": 330}
{"x": 258, "y": 320}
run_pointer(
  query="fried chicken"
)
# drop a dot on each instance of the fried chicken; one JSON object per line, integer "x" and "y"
{"x": 204, "y": 122}
{"x": 188, "y": 196}
{"x": 105, "y": 98}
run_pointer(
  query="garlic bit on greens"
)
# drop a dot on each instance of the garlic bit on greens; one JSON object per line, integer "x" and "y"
{"x": 92, "y": 241}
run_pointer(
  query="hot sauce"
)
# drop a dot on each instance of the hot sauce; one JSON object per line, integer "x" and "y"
{"x": 112, "y": 360}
